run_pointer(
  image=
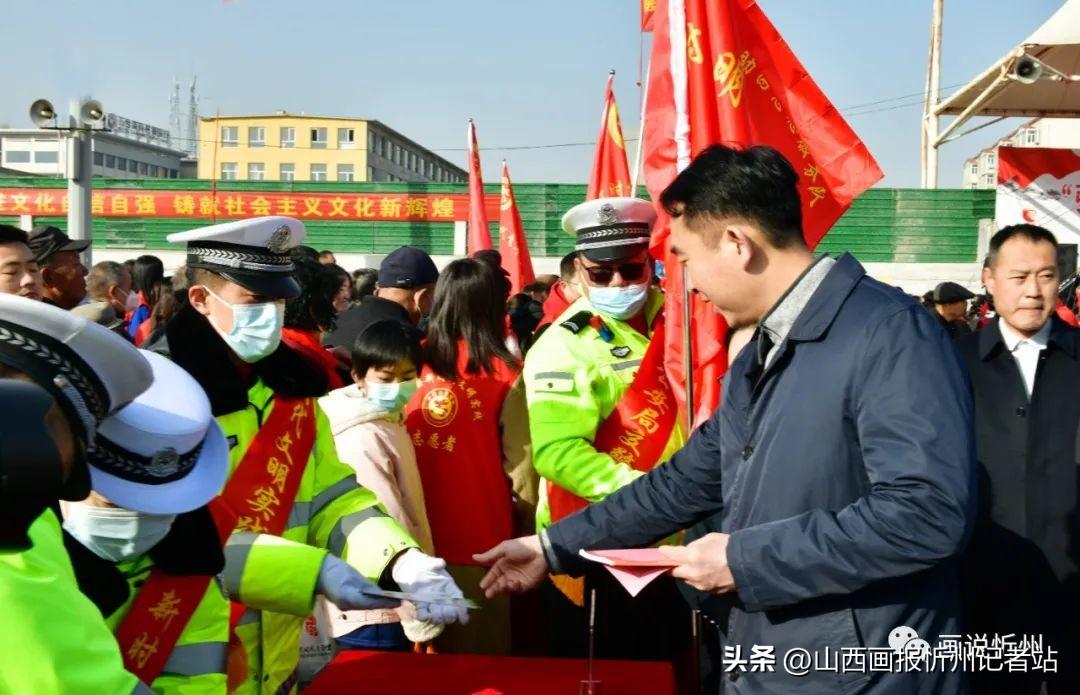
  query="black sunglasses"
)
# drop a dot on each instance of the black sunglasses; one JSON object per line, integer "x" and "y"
{"x": 602, "y": 274}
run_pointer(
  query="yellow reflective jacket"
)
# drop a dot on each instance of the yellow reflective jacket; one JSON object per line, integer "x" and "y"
{"x": 276, "y": 577}
{"x": 573, "y": 381}
{"x": 52, "y": 638}
{"x": 196, "y": 665}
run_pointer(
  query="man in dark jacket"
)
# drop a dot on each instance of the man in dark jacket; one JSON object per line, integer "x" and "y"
{"x": 1020, "y": 571}
{"x": 841, "y": 461}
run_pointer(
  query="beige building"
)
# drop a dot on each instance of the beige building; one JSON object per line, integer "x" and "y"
{"x": 980, "y": 171}
{"x": 291, "y": 147}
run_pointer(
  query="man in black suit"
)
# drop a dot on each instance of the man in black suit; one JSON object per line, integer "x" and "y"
{"x": 1020, "y": 570}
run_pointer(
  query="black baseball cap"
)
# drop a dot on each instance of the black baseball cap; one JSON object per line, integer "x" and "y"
{"x": 45, "y": 240}
{"x": 406, "y": 268}
{"x": 949, "y": 292}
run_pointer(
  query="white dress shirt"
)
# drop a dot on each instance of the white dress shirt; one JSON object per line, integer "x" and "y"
{"x": 1026, "y": 351}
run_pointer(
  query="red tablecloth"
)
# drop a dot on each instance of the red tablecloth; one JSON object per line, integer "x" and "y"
{"x": 403, "y": 673}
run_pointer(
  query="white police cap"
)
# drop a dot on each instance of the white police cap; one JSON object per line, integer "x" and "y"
{"x": 164, "y": 453}
{"x": 610, "y": 228}
{"x": 253, "y": 253}
{"x": 89, "y": 370}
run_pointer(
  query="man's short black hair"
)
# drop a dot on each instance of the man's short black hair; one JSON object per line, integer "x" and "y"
{"x": 1032, "y": 232}
{"x": 12, "y": 235}
{"x": 758, "y": 185}
{"x": 567, "y": 270}
{"x": 383, "y": 344}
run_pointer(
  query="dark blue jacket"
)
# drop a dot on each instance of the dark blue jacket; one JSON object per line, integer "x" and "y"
{"x": 845, "y": 476}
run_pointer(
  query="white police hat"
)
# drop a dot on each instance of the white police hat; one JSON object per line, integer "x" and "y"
{"x": 89, "y": 370}
{"x": 253, "y": 253}
{"x": 609, "y": 229}
{"x": 164, "y": 453}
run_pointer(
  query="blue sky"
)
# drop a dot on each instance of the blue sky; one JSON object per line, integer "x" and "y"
{"x": 530, "y": 73}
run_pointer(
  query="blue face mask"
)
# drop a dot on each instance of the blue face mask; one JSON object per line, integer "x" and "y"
{"x": 256, "y": 330}
{"x": 390, "y": 397}
{"x": 619, "y": 302}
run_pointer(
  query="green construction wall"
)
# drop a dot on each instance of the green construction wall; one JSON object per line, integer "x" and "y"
{"x": 883, "y": 225}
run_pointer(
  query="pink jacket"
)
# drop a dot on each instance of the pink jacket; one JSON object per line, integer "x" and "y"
{"x": 377, "y": 446}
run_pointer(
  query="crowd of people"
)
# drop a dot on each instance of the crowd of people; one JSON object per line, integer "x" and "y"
{"x": 198, "y": 469}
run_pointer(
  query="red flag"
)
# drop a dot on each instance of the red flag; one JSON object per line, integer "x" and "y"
{"x": 648, "y": 9}
{"x": 479, "y": 234}
{"x": 720, "y": 72}
{"x": 513, "y": 245}
{"x": 610, "y": 174}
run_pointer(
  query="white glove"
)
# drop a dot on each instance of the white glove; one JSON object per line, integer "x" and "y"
{"x": 423, "y": 575}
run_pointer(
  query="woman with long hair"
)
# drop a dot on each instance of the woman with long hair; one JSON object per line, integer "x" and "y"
{"x": 147, "y": 278}
{"x": 469, "y": 425}
{"x": 313, "y": 313}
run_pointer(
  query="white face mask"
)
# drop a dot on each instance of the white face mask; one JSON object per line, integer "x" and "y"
{"x": 391, "y": 397}
{"x": 132, "y": 301}
{"x": 256, "y": 330}
{"x": 115, "y": 534}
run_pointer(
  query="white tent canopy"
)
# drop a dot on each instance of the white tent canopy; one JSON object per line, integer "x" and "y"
{"x": 997, "y": 92}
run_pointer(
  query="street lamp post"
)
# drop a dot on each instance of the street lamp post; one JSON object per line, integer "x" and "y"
{"x": 82, "y": 116}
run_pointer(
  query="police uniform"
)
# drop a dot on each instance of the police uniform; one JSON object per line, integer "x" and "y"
{"x": 164, "y": 454}
{"x": 275, "y": 576}
{"x": 52, "y": 637}
{"x": 575, "y": 375}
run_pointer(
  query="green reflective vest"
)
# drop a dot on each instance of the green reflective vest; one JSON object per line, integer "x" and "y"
{"x": 573, "y": 381}
{"x": 275, "y": 577}
{"x": 52, "y": 638}
{"x": 197, "y": 662}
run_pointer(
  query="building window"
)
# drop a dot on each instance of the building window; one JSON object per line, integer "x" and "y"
{"x": 121, "y": 163}
{"x": 346, "y": 139}
{"x": 257, "y": 171}
{"x": 370, "y": 141}
{"x": 230, "y": 136}
{"x": 228, "y": 171}
{"x": 142, "y": 167}
{"x": 1031, "y": 136}
{"x": 17, "y": 156}
{"x": 153, "y": 170}
{"x": 371, "y": 173}
{"x": 99, "y": 159}
{"x": 256, "y": 137}
{"x": 974, "y": 168}
{"x": 318, "y": 172}
{"x": 110, "y": 161}
{"x": 395, "y": 154}
{"x": 318, "y": 138}
{"x": 288, "y": 137}
{"x": 287, "y": 172}
{"x": 384, "y": 148}
{"x": 345, "y": 172}
{"x": 133, "y": 166}
{"x": 46, "y": 157}
{"x": 991, "y": 158}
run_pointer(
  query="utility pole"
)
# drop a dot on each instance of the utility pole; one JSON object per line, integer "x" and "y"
{"x": 931, "y": 121}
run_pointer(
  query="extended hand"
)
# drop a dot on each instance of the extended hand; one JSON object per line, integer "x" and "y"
{"x": 345, "y": 587}
{"x": 517, "y": 565}
{"x": 703, "y": 563}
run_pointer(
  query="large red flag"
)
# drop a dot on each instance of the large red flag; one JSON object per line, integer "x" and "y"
{"x": 610, "y": 174}
{"x": 721, "y": 73}
{"x": 479, "y": 234}
{"x": 513, "y": 246}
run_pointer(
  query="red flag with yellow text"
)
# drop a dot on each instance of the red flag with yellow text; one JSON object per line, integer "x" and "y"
{"x": 610, "y": 174}
{"x": 648, "y": 9}
{"x": 513, "y": 246}
{"x": 721, "y": 73}
{"x": 479, "y": 234}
